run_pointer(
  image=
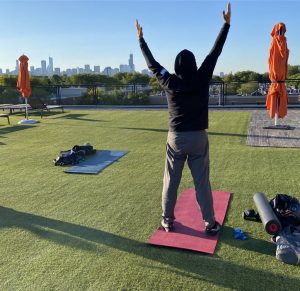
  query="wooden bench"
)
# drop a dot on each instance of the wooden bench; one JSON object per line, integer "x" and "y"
{"x": 5, "y": 116}
{"x": 38, "y": 105}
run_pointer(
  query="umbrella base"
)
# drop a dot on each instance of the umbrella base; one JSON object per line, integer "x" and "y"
{"x": 28, "y": 121}
{"x": 279, "y": 126}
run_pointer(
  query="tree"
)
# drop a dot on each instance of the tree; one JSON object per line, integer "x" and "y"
{"x": 36, "y": 81}
{"x": 132, "y": 78}
{"x": 57, "y": 80}
{"x": 246, "y": 76}
{"x": 296, "y": 84}
{"x": 265, "y": 77}
{"x": 155, "y": 84}
{"x": 10, "y": 81}
{"x": 231, "y": 88}
{"x": 248, "y": 88}
{"x": 9, "y": 95}
{"x": 216, "y": 78}
{"x": 91, "y": 79}
{"x": 293, "y": 70}
{"x": 229, "y": 78}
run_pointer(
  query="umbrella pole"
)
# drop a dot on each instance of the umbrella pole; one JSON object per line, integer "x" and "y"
{"x": 26, "y": 109}
{"x": 276, "y": 112}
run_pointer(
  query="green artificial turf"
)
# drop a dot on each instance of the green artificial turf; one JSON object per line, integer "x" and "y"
{"x": 63, "y": 231}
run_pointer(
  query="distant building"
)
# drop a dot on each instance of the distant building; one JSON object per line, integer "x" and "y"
{"x": 116, "y": 71}
{"x": 125, "y": 69}
{"x": 50, "y": 67}
{"x": 69, "y": 72}
{"x": 43, "y": 68}
{"x": 222, "y": 74}
{"x": 130, "y": 63}
{"x": 57, "y": 71}
{"x": 97, "y": 69}
{"x": 80, "y": 70}
{"x": 32, "y": 70}
{"x": 17, "y": 66}
{"x": 147, "y": 72}
{"x": 108, "y": 71}
{"x": 1, "y": 72}
{"x": 38, "y": 71}
{"x": 7, "y": 72}
{"x": 87, "y": 69}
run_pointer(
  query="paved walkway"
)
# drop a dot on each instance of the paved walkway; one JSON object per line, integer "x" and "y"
{"x": 260, "y": 136}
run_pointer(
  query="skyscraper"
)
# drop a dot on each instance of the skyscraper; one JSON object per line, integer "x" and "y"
{"x": 125, "y": 68}
{"x": 17, "y": 66}
{"x": 96, "y": 69}
{"x": 87, "y": 69}
{"x": 130, "y": 63}
{"x": 43, "y": 68}
{"x": 50, "y": 67}
{"x": 32, "y": 70}
{"x": 57, "y": 71}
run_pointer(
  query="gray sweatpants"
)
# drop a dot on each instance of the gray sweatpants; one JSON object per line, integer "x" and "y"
{"x": 193, "y": 147}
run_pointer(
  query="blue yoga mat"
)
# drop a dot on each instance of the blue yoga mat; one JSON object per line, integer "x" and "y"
{"x": 97, "y": 162}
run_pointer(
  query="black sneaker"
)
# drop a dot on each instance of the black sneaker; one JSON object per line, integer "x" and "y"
{"x": 273, "y": 239}
{"x": 167, "y": 224}
{"x": 213, "y": 230}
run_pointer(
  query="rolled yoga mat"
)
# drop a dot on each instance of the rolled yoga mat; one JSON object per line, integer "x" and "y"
{"x": 268, "y": 217}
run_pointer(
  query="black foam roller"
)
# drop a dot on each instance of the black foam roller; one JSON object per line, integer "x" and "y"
{"x": 268, "y": 217}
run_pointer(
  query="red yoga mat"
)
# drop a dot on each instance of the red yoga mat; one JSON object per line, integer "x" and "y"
{"x": 189, "y": 226}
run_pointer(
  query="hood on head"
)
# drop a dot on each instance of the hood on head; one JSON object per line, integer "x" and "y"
{"x": 185, "y": 64}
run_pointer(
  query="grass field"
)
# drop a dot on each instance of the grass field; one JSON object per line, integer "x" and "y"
{"x": 61, "y": 231}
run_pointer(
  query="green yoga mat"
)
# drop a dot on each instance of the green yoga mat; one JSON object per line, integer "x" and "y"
{"x": 97, "y": 162}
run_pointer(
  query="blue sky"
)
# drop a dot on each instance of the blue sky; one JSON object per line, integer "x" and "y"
{"x": 103, "y": 33}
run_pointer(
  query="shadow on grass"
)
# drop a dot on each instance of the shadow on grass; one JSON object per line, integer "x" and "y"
{"x": 254, "y": 136}
{"x": 166, "y": 130}
{"x": 79, "y": 117}
{"x": 145, "y": 129}
{"x": 14, "y": 128}
{"x": 226, "y": 134}
{"x": 189, "y": 264}
{"x": 36, "y": 114}
{"x": 251, "y": 244}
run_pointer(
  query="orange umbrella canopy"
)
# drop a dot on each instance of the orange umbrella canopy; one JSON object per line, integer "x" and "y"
{"x": 278, "y": 65}
{"x": 23, "y": 79}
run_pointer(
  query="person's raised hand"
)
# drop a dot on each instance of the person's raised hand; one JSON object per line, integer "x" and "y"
{"x": 227, "y": 15}
{"x": 139, "y": 29}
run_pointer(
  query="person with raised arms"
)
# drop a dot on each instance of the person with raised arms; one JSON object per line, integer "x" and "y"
{"x": 187, "y": 93}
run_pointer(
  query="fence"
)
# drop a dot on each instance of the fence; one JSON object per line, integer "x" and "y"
{"x": 220, "y": 94}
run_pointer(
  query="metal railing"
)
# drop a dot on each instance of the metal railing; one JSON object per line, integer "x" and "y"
{"x": 220, "y": 94}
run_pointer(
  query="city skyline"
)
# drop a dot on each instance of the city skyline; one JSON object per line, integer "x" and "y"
{"x": 99, "y": 32}
{"x": 49, "y": 69}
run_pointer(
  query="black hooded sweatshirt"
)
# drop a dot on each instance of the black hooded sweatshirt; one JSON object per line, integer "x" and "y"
{"x": 187, "y": 91}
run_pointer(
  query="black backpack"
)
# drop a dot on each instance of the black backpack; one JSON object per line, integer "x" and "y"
{"x": 87, "y": 149}
{"x": 287, "y": 209}
{"x": 69, "y": 157}
{"x": 73, "y": 156}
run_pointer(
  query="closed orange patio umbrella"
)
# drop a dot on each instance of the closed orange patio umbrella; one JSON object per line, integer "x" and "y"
{"x": 23, "y": 79}
{"x": 277, "y": 98}
{"x": 23, "y": 84}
